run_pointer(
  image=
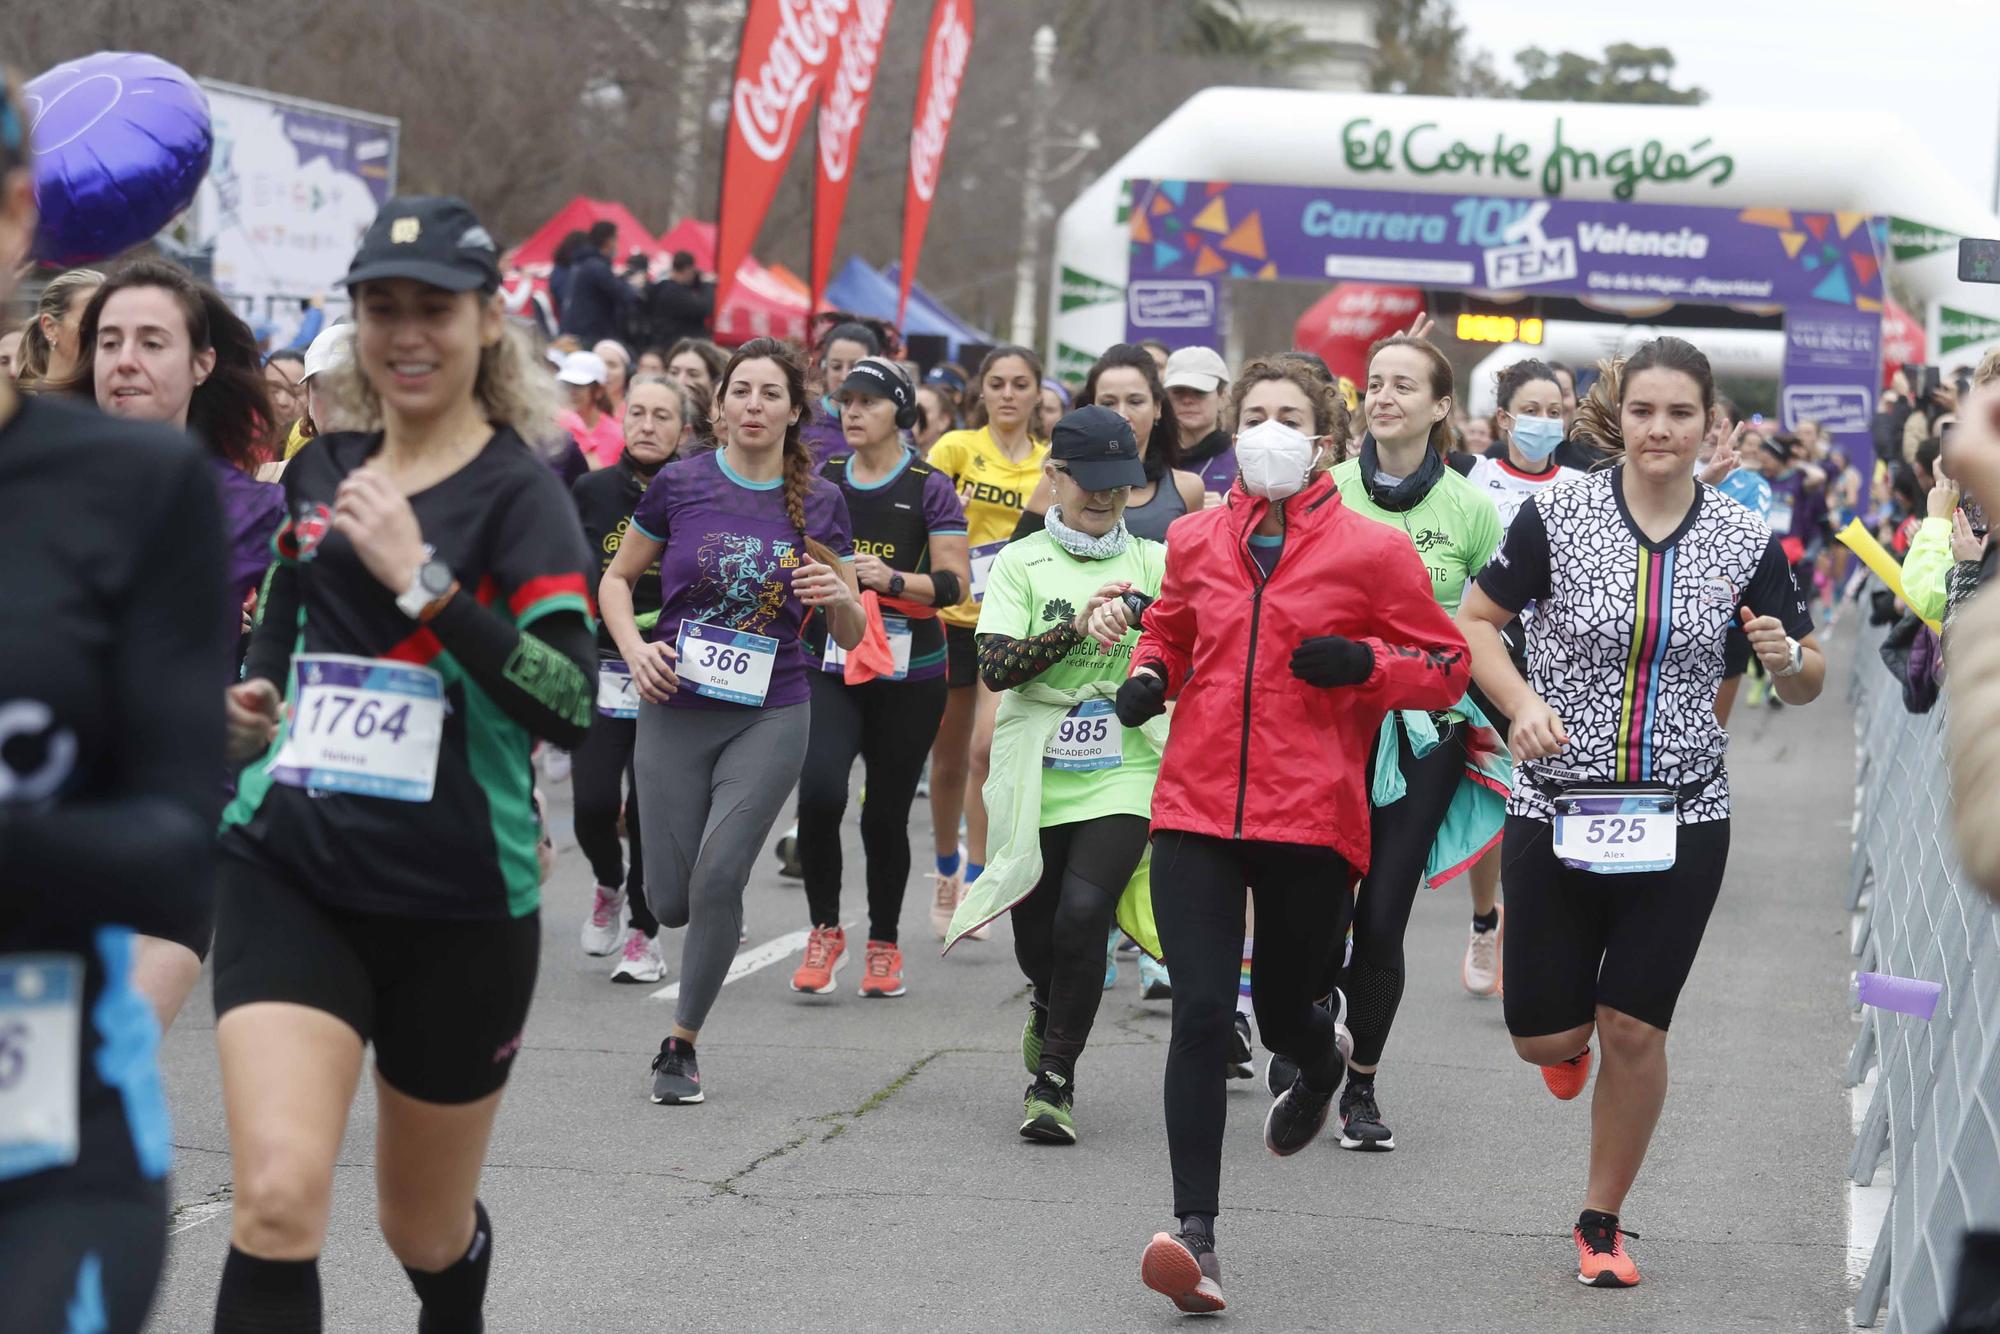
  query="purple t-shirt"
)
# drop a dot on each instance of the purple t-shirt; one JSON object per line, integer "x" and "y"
{"x": 1789, "y": 509}
{"x": 729, "y": 560}
{"x": 824, "y": 436}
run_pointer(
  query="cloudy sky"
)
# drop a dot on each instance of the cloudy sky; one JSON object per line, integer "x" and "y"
{"x": 1935, "y": 63}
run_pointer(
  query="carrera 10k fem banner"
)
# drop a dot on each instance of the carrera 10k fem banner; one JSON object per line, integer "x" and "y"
{"x": 1190, "y": 237}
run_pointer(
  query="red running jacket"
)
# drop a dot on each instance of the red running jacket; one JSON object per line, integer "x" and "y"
{"x": 1254, "y": 752}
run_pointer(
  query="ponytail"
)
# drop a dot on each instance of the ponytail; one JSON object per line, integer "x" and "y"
{"x": 1598, "y": 417}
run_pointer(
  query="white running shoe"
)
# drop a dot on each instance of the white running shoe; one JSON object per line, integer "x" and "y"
{"x": 1481, "y": 970}
{"x": 640, "y": 960}
{"x": 600, "y": 929}
{"x": 945, "y": 892}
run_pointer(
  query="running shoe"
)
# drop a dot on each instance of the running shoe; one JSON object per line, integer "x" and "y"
{"x": 945, "y": 892}
{"x": 1361, "y": 1125}
{"x": 1182, "y": 1267}
{"x": 1238, "y": 1066}
{"x": 1601, "y": 1261}
{"x": 882, "y": 974}
{"x": 676, "y": 1077}
{"x": 826, "y": 949}
{"x": 1031, "y": 1037}
{"x": 1296, "y": 1119}
{"x": 1481, "y": 970}
{"x": 1281, "y": 1070}
{"x": 1567, "y": 1079}
{"x": 788, "y": 855}
{"x": 1046, "y": 1115}
{"x": 600, "y": 929}
{"x": 1154, "y": 984}
{"x": 640, "y": 960}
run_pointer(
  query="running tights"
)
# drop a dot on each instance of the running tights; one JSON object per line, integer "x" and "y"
{"x": 1400, "y": 837}
{"x": 1060, "y": 928}
{"x": 602, "y": 786}
{"x": 1198, "y": 892}
{"x": 712, "y": 782}
{"x": 890, "y": 725}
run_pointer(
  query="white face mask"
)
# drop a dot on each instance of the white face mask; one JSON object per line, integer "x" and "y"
{"x": 1274, "y": 459}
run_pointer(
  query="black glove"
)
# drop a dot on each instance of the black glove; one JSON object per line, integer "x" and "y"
{"x": 1143, "y": 697}
{"x": 1330, "y": 660}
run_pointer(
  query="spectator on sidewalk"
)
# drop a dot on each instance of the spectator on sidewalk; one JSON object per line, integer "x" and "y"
{"x": 681, "y": 304}
{"x": 596, "y": 304}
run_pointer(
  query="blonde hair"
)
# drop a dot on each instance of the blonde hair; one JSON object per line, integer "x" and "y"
{"x": 57, "y": 300}
{"x": 512, "y": 389}
{"x": 1989, "y": 368}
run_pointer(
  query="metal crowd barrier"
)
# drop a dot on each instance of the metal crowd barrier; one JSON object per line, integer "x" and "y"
{"x": 1935, "y": 1114}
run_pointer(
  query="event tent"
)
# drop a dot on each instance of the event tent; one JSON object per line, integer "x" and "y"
{"x": 862, "y": 290}
{"x": 579, "y": 215}
{"x": 923, "y": 300}
{"x": 762, "y": 304}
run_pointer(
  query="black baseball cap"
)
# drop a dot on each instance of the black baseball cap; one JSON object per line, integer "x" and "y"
{"x": 878, "y": 379}
{"x": 434, "y": 239}
{"x": 1097, "y": 448}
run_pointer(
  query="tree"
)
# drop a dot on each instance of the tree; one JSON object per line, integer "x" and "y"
{"x": 1421, "y": 46}
{"x": 1626, "y": 73}
{"x": 1222, "y": 28}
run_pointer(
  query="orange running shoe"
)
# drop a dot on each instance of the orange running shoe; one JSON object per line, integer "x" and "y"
{"x": 825, "y": 948}
{"x": 1567, "y": 1080}
{"x": 1185, "y": 1270}
{"x": 882, "y": 970}
{"x": 1601, "y": 1261}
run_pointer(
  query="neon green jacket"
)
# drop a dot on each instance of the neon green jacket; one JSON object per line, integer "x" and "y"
{"x": 1926, "y": 568}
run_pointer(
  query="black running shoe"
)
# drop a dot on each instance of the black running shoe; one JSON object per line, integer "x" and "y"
{"x": 1238, "y": 1065}
{"x": 1280, "y": 1073}
{"x": 676, "y": 1077}
{"x": 1361, "y": 1125}
{"x": 1295, "y": 1119}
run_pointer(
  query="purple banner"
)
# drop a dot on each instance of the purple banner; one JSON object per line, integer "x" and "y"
{"x": 1189, "y": 238}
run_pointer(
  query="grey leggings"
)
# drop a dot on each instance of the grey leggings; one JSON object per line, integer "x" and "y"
{"x": 711, "y": 783}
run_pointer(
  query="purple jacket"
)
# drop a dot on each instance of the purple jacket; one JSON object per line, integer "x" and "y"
{"x": 253, "y": 510}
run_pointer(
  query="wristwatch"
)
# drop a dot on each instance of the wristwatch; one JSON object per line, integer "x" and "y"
{"x": 895, "y": 585}
{"x": 1796, "y": 663}
{"x": 433, "y": 583}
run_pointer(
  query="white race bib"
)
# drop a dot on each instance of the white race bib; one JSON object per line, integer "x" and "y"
{"x": 362, "y": 725}
{"x": 617, "y": 692}
{"x": 719, "y": 663}
{"x": 41, "y": 1032}
{"x": 1087, "y": 738}
{"x": 1616, "y": 832}
{"x": 982, "y": 566}
{"x": 834, "y": 659}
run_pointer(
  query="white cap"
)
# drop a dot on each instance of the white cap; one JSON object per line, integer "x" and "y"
{"x": 331, "y": 347}
{"x": 1196, "y": 368}
{"x": 581, "y": 368}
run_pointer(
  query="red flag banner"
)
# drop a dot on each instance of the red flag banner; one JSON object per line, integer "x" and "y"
{"x": 843, "y": 109}
{"x": 946, "y": 51}
{"x": 788, "y": 47}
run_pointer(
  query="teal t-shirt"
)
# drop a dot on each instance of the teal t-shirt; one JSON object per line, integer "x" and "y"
{"x": 1036, "y": 585}
{"x": 1455, "y": 528}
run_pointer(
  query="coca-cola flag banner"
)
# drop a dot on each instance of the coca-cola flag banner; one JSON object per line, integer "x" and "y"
{"x": 946, "y": 51}
{"x": 788, "y": 47}
{"x": 843, "y": 108}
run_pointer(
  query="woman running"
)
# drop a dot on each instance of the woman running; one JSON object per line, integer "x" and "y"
{"x": 697, "y": 362}
{"x": 592, "y": 420}
{"x": 995, "y": 467}
{"x": 909, "y": 533}
{"x": 844, "y": 345}
{"x": 1288, "y": 627}
{"x": 158, "y": 346}
{"x": 1447, "y": 763}
{"x": 1070, "y": 789}
{"x": 1529, "y": 419}
{"x": 112, "y": 730}
{"x": 748, "y": 542}
{"x": 659, "y": 422}
{"x": 49, "y": 343}
{"x": 1618, "y": 826}
{"x": 427, "y": 619}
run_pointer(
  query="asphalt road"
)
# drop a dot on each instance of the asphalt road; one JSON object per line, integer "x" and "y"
{"x": 857, "y": 1166}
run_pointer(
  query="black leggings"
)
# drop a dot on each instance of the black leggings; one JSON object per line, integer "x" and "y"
{"x": 890, "y": 725}
{"x": 81, "y": 1248}
{"x": 1577, "y": 940}
{"x": 1400, "y": 836}
{"x": 602, "y": 783}
{"x": 1198, "y": 888}
{"x": 1061, "y": 928}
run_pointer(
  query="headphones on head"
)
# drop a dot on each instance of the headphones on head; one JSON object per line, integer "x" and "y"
{"x": 906, "y": 407}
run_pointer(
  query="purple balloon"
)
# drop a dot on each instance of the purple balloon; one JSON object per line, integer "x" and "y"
{"x": 120, "y": 142}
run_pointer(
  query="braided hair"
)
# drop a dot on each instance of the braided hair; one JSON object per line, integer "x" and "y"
{"x": 798, "y": 475}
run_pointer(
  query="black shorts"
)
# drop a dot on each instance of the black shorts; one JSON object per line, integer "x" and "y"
{"x": 443, "y": 1002}
{"x": 1735, "y": 656}
{"x": 961, "y": 657}
{"x": 1576, "y": 940}
{"x": 68, "y": 1248}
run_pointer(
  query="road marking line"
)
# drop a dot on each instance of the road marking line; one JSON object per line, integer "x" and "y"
{"x": 752, "y": 959}
{"x": 195, "y": 1215}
